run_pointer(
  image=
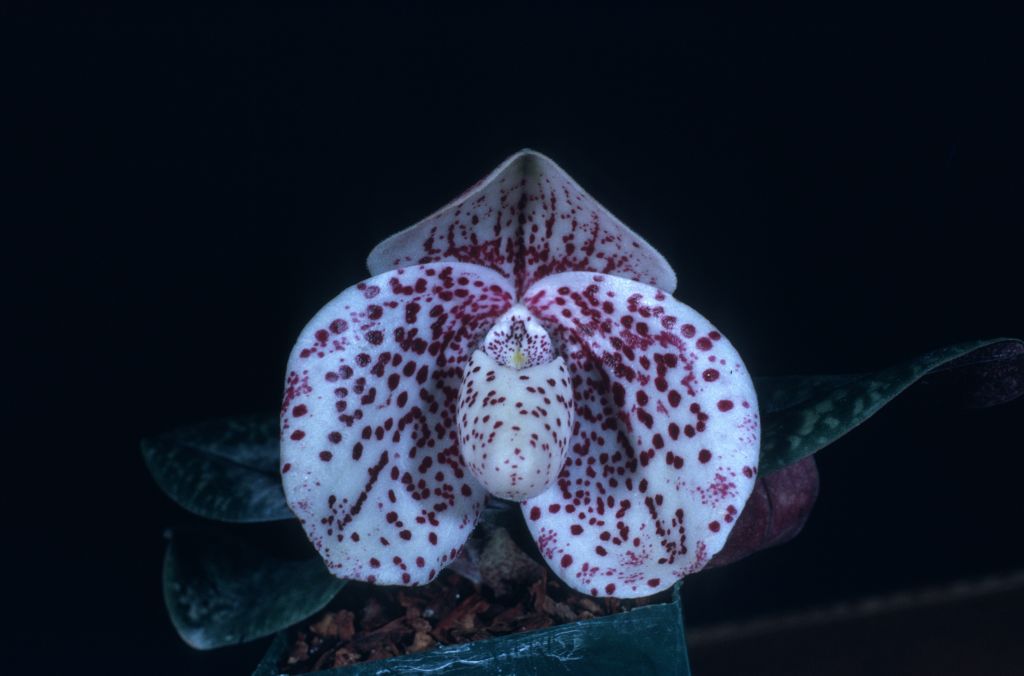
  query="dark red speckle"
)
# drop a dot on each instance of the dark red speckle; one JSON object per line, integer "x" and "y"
{"x": 566, "y": 561}
{"x": 326, "y": 456}
{"x": 704, "y": 455}
{"x": 724, "y": 405}
{"x": 297, "y": 434}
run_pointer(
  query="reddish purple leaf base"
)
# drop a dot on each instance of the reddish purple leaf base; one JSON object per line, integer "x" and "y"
{"x": 775, "y": 513}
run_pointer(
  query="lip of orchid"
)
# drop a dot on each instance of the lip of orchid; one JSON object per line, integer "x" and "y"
{"x": 521, "y": 351}
{"x": 515, "y": 410}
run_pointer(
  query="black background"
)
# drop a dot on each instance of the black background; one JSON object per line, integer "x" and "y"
{"x": 183, "y": 190}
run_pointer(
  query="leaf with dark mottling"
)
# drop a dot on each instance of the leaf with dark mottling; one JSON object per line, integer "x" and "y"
{"x": 222, "y": 469}
{"x": 222, "y": 591}
{"x": 801, "y": 415}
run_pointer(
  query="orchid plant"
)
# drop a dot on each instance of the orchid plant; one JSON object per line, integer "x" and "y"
{"x": 521, "y": 343}
{"x": 522, "y": 346}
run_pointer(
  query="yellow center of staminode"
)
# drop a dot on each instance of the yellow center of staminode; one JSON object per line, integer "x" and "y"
{"x": 518, "y": 359}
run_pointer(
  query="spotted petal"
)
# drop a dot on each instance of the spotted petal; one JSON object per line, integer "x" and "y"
{"x": 527, "y": 219}
{"x": 665, "y": 448}
{"x": 369, "y": 448}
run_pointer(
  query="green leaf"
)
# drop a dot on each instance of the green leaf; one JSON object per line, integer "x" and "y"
{"x": 646, "y": 640}
{"x": 222, "y": 469}
{"x": 222, "y": 591}
{"x": 801, "y": 415}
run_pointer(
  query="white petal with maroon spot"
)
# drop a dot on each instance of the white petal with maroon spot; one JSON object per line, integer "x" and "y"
{"x": 369, "y": 445}
{"x": 665, "y": 447}
{"x": 514, "y": 424}
{"x": 527, "y": 219}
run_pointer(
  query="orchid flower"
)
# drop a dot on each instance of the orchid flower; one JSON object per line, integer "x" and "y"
{"x": 521, "y": 342}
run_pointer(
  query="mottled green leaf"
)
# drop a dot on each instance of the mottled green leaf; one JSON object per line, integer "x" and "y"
{"x": 222, "y": 591}
{"x": 222, "y": 469}
{"x": 647, "y": 640}
{"x": 782, "y": 392}
{"x": 801, "y": 415}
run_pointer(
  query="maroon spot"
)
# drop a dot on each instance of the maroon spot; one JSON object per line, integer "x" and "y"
{"x": 374, "y": 563}
{"x": 619, "y": 394}
{"x": 673, "y": 431}
{"x": 299, "y": 410}
{"x": 554, "y": 508}
{"x": 689, "y": 431}
{"x": 326, "y": 456}
{"x": 362, "y": 359}
{"x": 297, "y": 434}
{"x": 714, "y": 526}
{"x": 748, "y": 472}
{"x": 357, "y": 451}
{"x": 601, "y": 551}
{"x": 703, "y": 344}
{"x": 322, "y": 336}
{"x": 433, "y": 538}
{"x": 688, "y": 330}
{"x": 653, "y": 582}
{"x": 724, "y": 405}
{"x": 674, "y": 398}
{"x": 405, "y": 535}
{"x": 375, "y": 337}
{"x": 338, "y": 325}
{"x": 466, "y": 490}
{"x": 334, "y": 437}
{"x": 576, "y": 529}
{"x": 566, "y": 561}
{"x": 711, "y": 375}
{"x": 374, "y": 312}
{"x": 288, "y": 466}
{"x": 715, "y": 335}
{"x": 609, "y": 588}
{"x": 704, "y": 455}
{"x": 534, "y": 513}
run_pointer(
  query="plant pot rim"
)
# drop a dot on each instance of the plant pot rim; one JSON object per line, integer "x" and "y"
{"x": 648, "y": 639}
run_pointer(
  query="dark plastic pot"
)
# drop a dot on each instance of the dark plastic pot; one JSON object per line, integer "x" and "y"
{"x": 646, "y": 640}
